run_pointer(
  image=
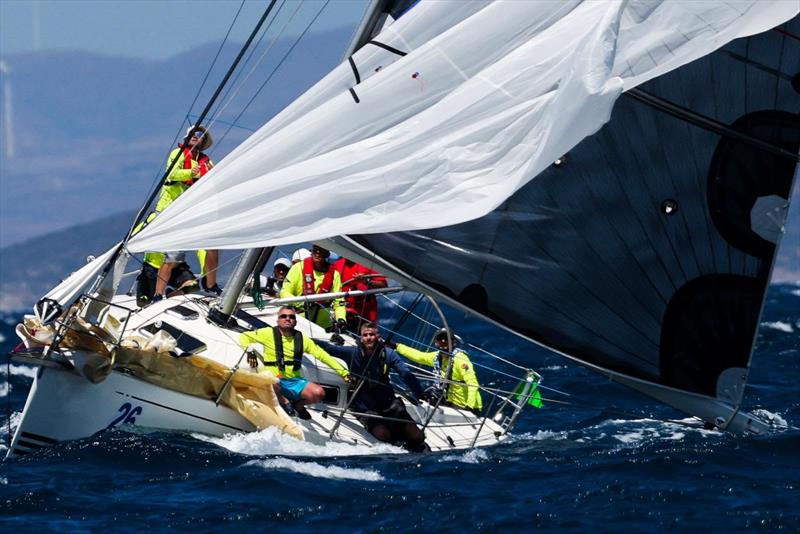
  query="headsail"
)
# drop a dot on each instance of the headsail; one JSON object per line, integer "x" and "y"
{"x": 468, "y": 114}
{"x": 647, "y": 251}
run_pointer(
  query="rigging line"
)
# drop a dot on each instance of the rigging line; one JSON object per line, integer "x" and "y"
{"x": 226, "y": 123}
{"x": 214, "y": 61}
{"x": 707, "y": 123}
{"x": 199, "y": 90}
{"x": 139, "y": 216}
{"x": 278, "y": 66}
{"x": 205, "y": 111}
{"x": 786, "y": 33}
{"x": 476, "y": 347}
{"x": 235, "y": 83}
{"x": 224, "y": 106}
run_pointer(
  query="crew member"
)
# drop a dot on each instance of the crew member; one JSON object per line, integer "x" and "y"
{"x": 191, "y": 165}
{"x": 381, "y": 412}
{"x": 313, "y": 276}
{"x": 358, "y": 277}
{"x": 460, "y": 385}
{"x": 300, "y": 255}
{"x": 272, "y": 285}
{"x": 282, "y": 348}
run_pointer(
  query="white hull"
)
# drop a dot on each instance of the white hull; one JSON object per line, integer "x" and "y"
{"x": 63, "y": 405}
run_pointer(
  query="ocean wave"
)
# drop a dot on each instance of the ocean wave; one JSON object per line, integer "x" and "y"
{"x": 779, "y": 325}
{"x": 539, "y": 435}
{"x": 4, "y": 428}
{"x": 315, "y": 469}
{"x": 20, "y": 370}
{"x": 472, "y": 456}
{"x": 272, "y": 441}
{"x": 637, "y": 431}
{"x": 773, "y": 419}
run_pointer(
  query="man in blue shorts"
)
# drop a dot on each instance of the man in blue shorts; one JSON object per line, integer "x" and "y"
{"x": 283, "y": 348}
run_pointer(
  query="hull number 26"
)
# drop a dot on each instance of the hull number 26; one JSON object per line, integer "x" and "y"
{"x": 127, "y": 415}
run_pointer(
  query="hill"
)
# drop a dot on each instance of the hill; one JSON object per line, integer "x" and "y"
{"x": 91, "y": 132}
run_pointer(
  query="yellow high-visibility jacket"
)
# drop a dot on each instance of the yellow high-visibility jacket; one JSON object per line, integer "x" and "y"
{"x": 266, "y": 338}
{"x": 293, "y": 287}
{"x": 466, "y": 393}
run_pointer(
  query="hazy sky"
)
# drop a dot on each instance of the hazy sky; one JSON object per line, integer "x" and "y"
{"x": 153, "y": 29}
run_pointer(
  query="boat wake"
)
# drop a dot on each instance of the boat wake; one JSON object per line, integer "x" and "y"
{"x": 318, "y": 470}
{"x": 272, "y": 442}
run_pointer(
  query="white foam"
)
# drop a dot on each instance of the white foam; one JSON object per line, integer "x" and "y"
{"x": 2, "y": 338}
{"x": 272, "y": 441}
{"x": 654, "y": 429}
{"x": 779, "y": 325}
{"x": 795, "y": 292}
{"x": 539, "y": 435}
{"x": 20, "y": 370}
{"x": 553, "y": 368}
{"x": 5, "y": 387}
{"x": 16, "y": 417}
{"x": 315, "y": 469}
{"x": 771, "y": 418}
{"x": 472, "y": 456}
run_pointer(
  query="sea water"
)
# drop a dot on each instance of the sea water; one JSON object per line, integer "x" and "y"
{"x": 608, "y": 460}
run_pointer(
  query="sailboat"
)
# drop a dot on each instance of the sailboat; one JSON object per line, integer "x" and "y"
{"x": 606, "y": 179}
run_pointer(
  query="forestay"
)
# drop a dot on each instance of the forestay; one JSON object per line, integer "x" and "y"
{"x": 485, "y": 98}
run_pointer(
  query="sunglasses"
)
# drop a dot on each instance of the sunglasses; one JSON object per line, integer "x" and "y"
{"x": 198, "y": 134}
{"x": 292, "y": 316}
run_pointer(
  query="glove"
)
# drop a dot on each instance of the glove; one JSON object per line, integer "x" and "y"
{"x": 336, "y": 339}
{"x": 390, "y": 344}
{"x": 253, "y": 351}
{"x": 351, "y": 380}
{"x": 341, "y": 325}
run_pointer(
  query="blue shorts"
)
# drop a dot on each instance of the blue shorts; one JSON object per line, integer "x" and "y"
{"x": 292, "y": 388}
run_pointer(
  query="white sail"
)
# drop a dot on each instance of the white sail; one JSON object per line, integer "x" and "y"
{"x": 447, "y": 132}
{"x": 78, "y": 282}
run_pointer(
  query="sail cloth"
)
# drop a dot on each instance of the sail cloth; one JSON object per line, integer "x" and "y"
{"x": 78, "y": 282}
{"x": 448, "y": 131}
{"x": 587, "y": 260}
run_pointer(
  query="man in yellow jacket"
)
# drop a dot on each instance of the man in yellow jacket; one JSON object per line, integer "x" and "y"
{"x": 461, "y": 386}
{"x": 282, "y": 348}
{"x": 312, "y": 276}
{"x": 191, "y": 165}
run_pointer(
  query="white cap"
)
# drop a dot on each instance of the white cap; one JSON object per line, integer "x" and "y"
{"x": 282, "y": 261}
{"x": 300, "y": 254}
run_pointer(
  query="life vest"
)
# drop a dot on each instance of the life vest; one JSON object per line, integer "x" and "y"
{"x": 202, "y": 161}
{"x": 361, "y": 307}
{"x": 280, "y": 360}
{"x": 308, "y": 279}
